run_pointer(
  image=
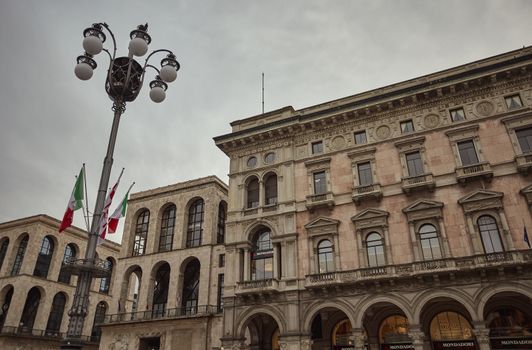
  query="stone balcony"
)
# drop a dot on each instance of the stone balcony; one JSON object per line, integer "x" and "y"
{"x": 164, "y": 314}
{"x": 269, "y": 208}
{"x": 473, "y": 172}
{"x": 524, "y": 162}
{"x": 361, "y": 193}
{"x": 266, "y": 286}
{"x": 419, "y": 268}
{"x": 321, "y": 200}
{"x": 417, "y": 183}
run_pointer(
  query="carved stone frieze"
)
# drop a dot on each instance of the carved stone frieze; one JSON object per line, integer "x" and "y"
{"x": 485, "y": 108}
{"x": 383, "y": 132}
{"x": 371, "y": 218}
{"x": 431, "y": 121}
{"x": 338, "y": 143}
{"x": 423, "y": 209}
{"x": 322, "y": 226}
{"x": 481, "y": 200}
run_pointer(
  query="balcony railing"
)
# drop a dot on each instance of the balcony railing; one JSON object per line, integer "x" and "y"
{"x": 44, "y": 334}
{"x": 417, "y": 183}
{"x": 524, "y": 162}
{"x": 420, "y": 268}
{"x": 474, "y": 171}
{"x": 182, "y": 312}
{"x": 367, "y": 191}
{"x": 257, "y": 286}
{"x": 100, "y": 268}
{"x": 320, "y": 200}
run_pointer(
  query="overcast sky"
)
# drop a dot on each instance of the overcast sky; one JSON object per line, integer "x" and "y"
{"x": 310, "y": 52}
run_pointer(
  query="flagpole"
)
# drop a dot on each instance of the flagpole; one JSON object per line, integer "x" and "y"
{"x": 86, "y": 209}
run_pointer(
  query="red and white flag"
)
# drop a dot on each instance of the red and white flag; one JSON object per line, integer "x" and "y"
{"x": 119, "y": 212}
{"x": 75, "y": 202}
{"x": 105, "y": 213}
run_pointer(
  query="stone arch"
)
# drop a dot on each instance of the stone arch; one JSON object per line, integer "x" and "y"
{"x": 251, "y": 312}
{"x": 133, "y": 228}
{"x": 126, "y": 289}
{"x": 158, "y": 224}
{"x": 482, "y": 299}
{"x": 369, "y": 301}
{"x": 422, "y": 300}
{"x": 314, "y": 309}
{"x": 252, "y": 228}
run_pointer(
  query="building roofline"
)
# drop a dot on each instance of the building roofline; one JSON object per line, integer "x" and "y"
{"x": 179, "y": 186}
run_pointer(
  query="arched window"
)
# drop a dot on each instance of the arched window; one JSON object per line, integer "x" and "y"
{"x": 341, "y": 334}
{"x": 105, "y": 283}
{"x": 21, "y": 250}
{"x": 449, "y": 325}
{"x": 167, "y": 229}
{"x": 509, "y": 322}
{"x": 99, "y": 317}
{"x": 430, "y": 244}
{"x": 394, "y": 329}
{"x": 64, "y": 274}
{"x": 270, "y": 190}
{"x": 30, "y": 310}
{"x": 3, "y": 250}
{"x": 160, "y": 290}
{"x": 375, "y": 250}
{"x": 44, "y": 258}
{"x": 262, "y": 256}
{"x": 489, "y": 233}
{"x": 325, "y": 256}
{"x": 141, "y": 233}
{"x": 56, "y": 314}
{"x": 191, "y": 287}
{"x": 252, "y": 193}
{"x": 195, "y": 223}
{"x": 5, "y": 306}
{"x": 222, "y": 216}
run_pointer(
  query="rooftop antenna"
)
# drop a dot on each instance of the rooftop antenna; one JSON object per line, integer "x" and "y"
{"x": 262, "y": 92}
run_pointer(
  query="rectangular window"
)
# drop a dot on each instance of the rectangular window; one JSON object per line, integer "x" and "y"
{"x": 221, "y": 260}
{"x": 414, "y": 164}
{"x": 524, "y": 136}
{"x": 407, "y": 126}
{"x": 320, "y": 186}
{"x": 365, "y": 177}
{"x": 317, "y": 147}
{"x": 457, "y": 114}
{"x": 220, "y": 292}
{"x": 360, "y": 137}
{"x": 513, "y": 102}
{"x": 468, "y": 154}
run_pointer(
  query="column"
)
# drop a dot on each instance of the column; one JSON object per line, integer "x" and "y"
{"x": 413, "y": 240}
{"x": 276, "y": 258}
{"x": 482, "y": 335}
{"x": 389, "y": 255}
{"x": 247, "y": 275}
{"x": 417, "y": 336}
{"x": 506, "y": 231}
{"x": 445, "y": 241}
{"x": 262, "y": 197}
{"x": 336, "y": 247}
{"x": 358, "y": 339}
{"x": 475, "y": 239}
{"x": 361, "y": 254}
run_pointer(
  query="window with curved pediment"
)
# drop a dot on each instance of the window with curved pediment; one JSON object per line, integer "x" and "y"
{"x": 270, "y": 189}
{"x": 166, "y": 236}
{"x": 195, "y": 223}
{"x": 375, "y": 250}
{"x": 29, "y": 313}
{"x": 160, "y": 290}
{"x": 56, "y": 314}
{"x": 325, "y": 256}
{"x": 489, "y": 234}
{"x": 252, "y": 193}
{"x": 262, "y": 256}
{"x": 19, "y": 258}
{"x": 3, "y": 250}
{"x": 190, "y": 293}
{"x": 141, "y": 233}
{"x": 430, "y": 243}
{"x": 44, "y": 259}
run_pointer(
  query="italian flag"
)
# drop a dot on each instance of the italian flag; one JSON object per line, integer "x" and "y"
{"x": 105, "y": 212}
{"x": 120, "y": 212}
{"x": 75, "y": 202}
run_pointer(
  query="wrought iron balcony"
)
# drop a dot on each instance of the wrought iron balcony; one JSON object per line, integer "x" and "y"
{"x": 267, "y": 286}
{"x": 42, "y": 333}
{"x": 472, "y": 172}
{"x": 417, "y": 183}
{"x": 372, "y": 191}
{"x": 524, "y": 162}
{"x": 418, "y": 268}
{"x": 98, "y": 267}
{"x": 162, "y": 314}
{"x": 315, "y": 201}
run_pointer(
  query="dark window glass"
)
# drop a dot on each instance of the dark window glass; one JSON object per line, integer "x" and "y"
{"x": 5, "y": 306}
{"x": 375, "y": 250}
{"x": 365, "y": 177}
{"x": 253, "y": 193}
{"x": 457, "y": 114}
{"x": 269, "y": 158}
{"x": 360, "y": 137}
{"x": 252, "y": 162}
{"x": 56, "y": 314}
{"x": 509, "y": 322}
{"x": 414, "y": 164}
{"x": 167, "y": 229}
{"x": 320, "y": 185}
{"x": 222, "y": 216}
{"x": 468, "y": 154}
{"x": 262, "y": 257}
{"x": 430, "y": 244}
{"x": 105, "y": 282}
{"x": 191, "y": 287}
{"x": 407, "y": 126}
{"x": 489, "y": 233}
{"x": 44, "y": 258}
{"x": 317, "y": 147}
{"x": 195, "y": 223}
{"x": 160, "y": 290}
{"x": 99, "y": 317}
{"x": 513, "y": 102}
{"x": 64, "y": 274}
{"x": 141, "y": 233}
{"x": 270, "y": 189}
{"x": 20, "y": 256}
{"x": 325, "y": 256}
{"x": 221, "y": 260}
{"x": 30, "y": 310}
{"x": 3, "y": 250}
{"x": 220, "y": 292}
{"x": 524, "y": 136}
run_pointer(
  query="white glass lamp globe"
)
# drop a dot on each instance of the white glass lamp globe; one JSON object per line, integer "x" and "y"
{"x": 92, "y": 45}
{"x": 83, "y": 71}
{"x": 138, "y": 47}
{"x": 168, "y": 73}
{"x": 157, "y": 94}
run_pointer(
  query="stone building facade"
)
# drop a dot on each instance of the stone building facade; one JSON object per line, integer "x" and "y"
{"x": 169, "y": 278}
{"x": 36, "y": 288}
{"x": 391, "y": 219}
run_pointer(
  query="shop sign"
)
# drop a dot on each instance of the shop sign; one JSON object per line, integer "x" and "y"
{"x": 404, "y": 346}
{"x": 454, "y": 345}
{"x": 511, "y": 343}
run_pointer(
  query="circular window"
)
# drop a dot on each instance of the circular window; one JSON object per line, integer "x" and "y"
{"x": 269, "y": 158}
{"x": 252, "y": 162}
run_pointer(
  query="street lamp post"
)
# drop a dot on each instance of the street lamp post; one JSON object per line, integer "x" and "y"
{"x": 124, "y": 81}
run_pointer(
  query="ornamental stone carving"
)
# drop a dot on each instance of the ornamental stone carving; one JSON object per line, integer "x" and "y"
{"x": 485, "y": 108}
{"x": 338, "y": 143}
{"x": 431, "y": 121}
{"x": 383, "y": 132}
